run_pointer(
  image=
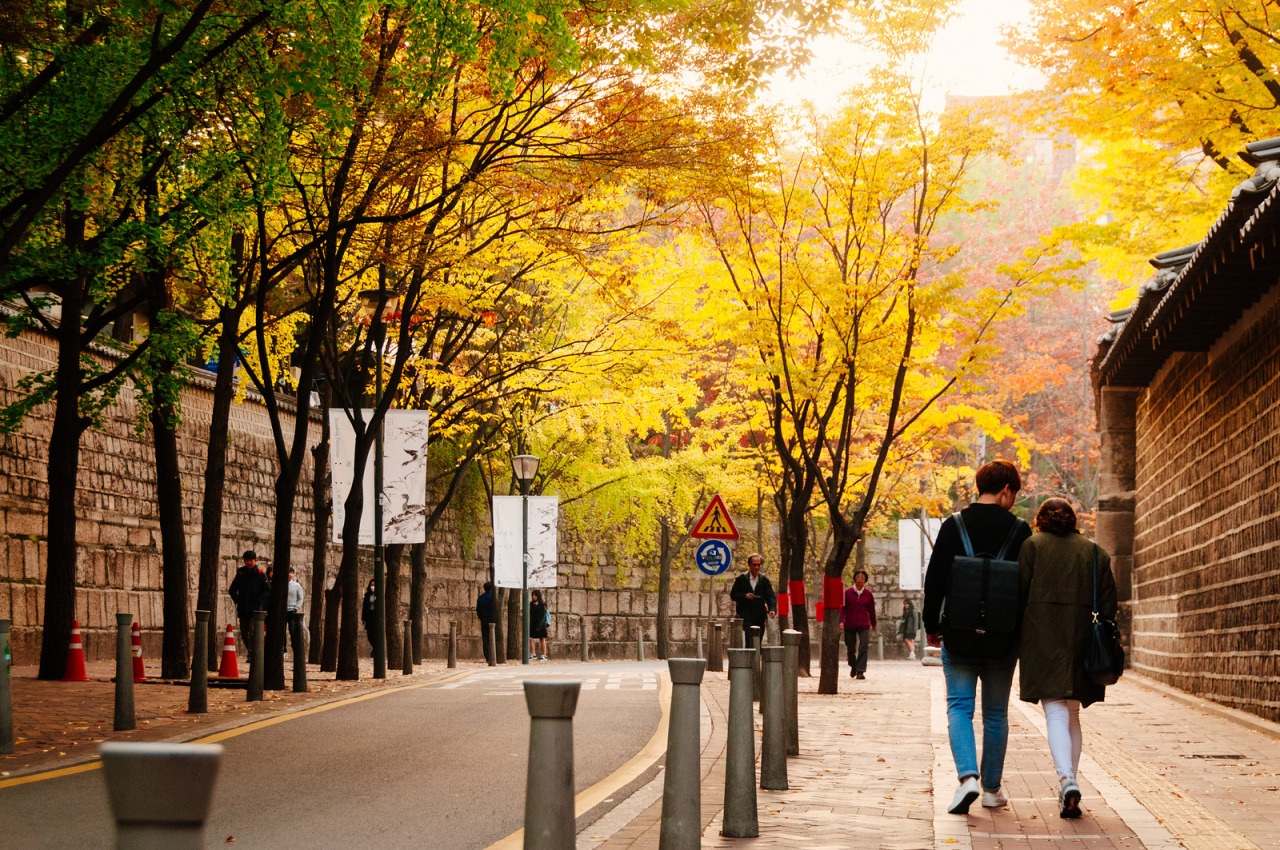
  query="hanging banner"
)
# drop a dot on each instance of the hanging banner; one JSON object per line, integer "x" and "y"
{"x": 404, "y": 475}
{"x": 544, "y": 524}
{"x": 915, "y": 545}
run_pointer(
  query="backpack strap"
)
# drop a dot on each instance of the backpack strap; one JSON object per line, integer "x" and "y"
{"x": 964, "y": 534}
{"x": 1008, "y": 541}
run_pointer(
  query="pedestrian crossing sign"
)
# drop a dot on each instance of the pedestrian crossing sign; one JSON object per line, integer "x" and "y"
{"x": 716, "y": 522}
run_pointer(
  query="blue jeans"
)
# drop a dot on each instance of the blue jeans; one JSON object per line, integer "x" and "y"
{"x": 962, "y": 676}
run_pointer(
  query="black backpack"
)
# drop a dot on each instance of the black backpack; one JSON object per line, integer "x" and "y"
{"x": 980, "y": 613}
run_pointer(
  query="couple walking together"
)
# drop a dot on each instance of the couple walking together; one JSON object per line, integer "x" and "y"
{"x": 1056, "y": 581}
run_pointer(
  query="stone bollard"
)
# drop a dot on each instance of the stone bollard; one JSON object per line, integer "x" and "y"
{"x": 406, "y": 651}
{"x": 125, "y": 718}
{"x": 791, "y": 688}
{"x": 931, "y": 656}
{"x": 198, "y": 699}
{"x": 492, "y": 657}
{"x": 773, "y": 744}
{"x": 879, "y": 647}
{"x": 257, "y": 667}
{"x": 698, "y": 649}
{"x": 681, "y": 788}
{"x": 548, "y": 796}
{"x": 737, "y": 637}
{"x": 740, "y": 817}
{"x": 299, "y": 641}
{"x": 453, "y": 644}
{"x": 639, "y": 642}
{"x": 586, "y": 647}
{"x": 6, "y": 692}
{"x": 715, "y": 652}
{"x": 160, "y": 793}
{"x": 757, "y": 672}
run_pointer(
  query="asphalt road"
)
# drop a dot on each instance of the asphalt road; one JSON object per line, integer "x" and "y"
{"x": 441, "y": 766}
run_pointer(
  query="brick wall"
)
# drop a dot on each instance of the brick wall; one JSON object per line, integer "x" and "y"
{"x": 1206, "y": 574}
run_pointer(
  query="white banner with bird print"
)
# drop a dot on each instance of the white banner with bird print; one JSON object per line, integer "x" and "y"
{"x": 404, "y": 475}
{"x": 544, "y": 518}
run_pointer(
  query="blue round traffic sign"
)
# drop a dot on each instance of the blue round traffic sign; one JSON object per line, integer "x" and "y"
{"x": 714, "y": 557}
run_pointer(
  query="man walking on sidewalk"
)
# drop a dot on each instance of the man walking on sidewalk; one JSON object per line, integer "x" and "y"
{"x": 249, "y": 590}
{"x": 754, "y": 597}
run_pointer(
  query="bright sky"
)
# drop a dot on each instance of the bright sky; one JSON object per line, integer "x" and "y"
{"x": 967, "y": 59}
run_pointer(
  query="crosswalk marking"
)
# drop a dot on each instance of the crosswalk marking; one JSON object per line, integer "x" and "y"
{"x": 507, "y": 683}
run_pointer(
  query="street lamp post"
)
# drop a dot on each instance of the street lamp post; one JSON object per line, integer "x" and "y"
{"x": 381, "y": 306}
{"x": 525, "y": 468}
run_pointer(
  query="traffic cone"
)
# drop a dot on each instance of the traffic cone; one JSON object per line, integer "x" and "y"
{"x": 228, "y": 668}
{"x": 139, "y": 672}
{"x": 75, "y": 671}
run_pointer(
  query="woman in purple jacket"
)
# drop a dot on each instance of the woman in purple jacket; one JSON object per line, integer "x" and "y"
{"x": 858, "y": 616}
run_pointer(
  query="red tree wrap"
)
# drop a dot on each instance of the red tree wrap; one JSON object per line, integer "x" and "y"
{"x": 797, "y": 592}
{"x": 817, "y": 610}
{"x": 784, "y": 605}
{"x": 833, "y": 592}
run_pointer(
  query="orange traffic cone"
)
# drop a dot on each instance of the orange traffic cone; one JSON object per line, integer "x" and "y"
{"x": 139, "y": 672}
{"x": 228, "y": 668}
{"x": 75, "y": 671}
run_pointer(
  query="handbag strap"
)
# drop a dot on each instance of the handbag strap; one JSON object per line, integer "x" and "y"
{"x": 1095, "y": 582}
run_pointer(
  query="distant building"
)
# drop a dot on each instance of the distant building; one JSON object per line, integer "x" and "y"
{"x": 1188, "y": 385}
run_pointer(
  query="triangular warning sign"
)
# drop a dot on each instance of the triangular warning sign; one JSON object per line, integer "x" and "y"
{"x": 716, "y": 522}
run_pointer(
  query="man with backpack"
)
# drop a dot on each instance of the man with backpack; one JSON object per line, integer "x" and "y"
{"x": 970, "y": 610}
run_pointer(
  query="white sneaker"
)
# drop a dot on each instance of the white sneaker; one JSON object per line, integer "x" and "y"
{"x": 911, "y": 657}
{"x": 994, "y": 799}
{"x": 964, "y": 797}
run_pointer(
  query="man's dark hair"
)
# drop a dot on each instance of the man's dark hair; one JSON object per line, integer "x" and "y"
{"x": 488, "y": 587}
{"x": 249, "y": 555}
{"x": 995, "y": 476}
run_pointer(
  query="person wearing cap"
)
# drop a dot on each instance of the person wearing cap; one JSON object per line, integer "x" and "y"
{"x": 250, "y": 590}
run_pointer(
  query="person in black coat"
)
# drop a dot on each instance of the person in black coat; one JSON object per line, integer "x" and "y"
{"x": 368, "y": 613}
{"x": 485, "y": 613}
{"x": 754, "y": 597}
{"x": 250, "y": 590}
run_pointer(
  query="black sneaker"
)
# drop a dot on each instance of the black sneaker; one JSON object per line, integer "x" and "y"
{"x": 1069, "y": 800}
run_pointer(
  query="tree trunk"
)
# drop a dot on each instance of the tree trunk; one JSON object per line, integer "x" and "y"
{"x": 499, "y": 632}
{"x": 514, "y": 632}
{"x": 64, "y": 464}
{"x": 215, "y": 477}
{"x": 349, "y": 579}
{"x": 418, "y": 597}
{"x": 176, "y": 642}
{"x": 319, "y": 539}
{"x": 844, "y": 541}
{"x": 393, "y": 558}
{"x": 664, "y": 590}
{"x": 332, "y": 610}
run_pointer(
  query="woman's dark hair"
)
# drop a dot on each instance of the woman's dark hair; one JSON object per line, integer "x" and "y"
{"x": 537, "y": 594}
{"x": 862, "y": 573}
{"x": 909, "y": 604}
{"x": 995, "y": 476}
{"x": 1056, "y": 516}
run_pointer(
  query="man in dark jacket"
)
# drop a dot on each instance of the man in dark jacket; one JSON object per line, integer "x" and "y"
{"x": 485, "y": 612}
{"x": 970, "y": 659}
{"x": 754, "y": 597}
{"x": 250, "y": 591}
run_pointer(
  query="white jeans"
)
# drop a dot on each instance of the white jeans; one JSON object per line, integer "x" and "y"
{"x": 1062, "y": 720}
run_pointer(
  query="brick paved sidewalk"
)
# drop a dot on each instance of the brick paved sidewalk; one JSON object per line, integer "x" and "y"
{"x": 57, "y": 724}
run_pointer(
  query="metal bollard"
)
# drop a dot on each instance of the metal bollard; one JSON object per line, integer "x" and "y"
{"x": 791, "y": 687}
{"x": 257, "y": 667}
{"x": 715, "y": 657}
{"x": 586, "y": 649}
{"x": 491, "y": 658}
{"x": 681, "y": 827}
{"x": 548, "y": 796}
{"x": 6, "y": 691}
{"x": 125, "y": 718}
{"x": 198, "y": 698}
{"x": 453, "y": 644}
{"x": 740, "y": 817}
{"x": 757, "y": 671}
{"x": 773, "y": 745}
{"x": 406, "y": 653}
{"x": 160, "y": 793}
{"x": 299, "y": 640}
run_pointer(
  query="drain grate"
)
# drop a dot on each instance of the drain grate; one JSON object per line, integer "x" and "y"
{"x": 1213, "y": 756}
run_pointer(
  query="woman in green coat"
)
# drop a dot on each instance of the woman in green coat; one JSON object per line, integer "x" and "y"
{"x": 1057, "y": 584}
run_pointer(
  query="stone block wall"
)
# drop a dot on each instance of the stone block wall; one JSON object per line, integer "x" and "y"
{"x": 1206, "y": 568}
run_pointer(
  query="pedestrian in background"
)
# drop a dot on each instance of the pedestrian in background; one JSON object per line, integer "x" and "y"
{"x": 968, "y": 659}
{"x": 293, "y": 611}
{"x": 908, "y": 626}
{"x": 753, "y": 596}
{"x": 539, "y": 622}
{"x": 858, "y": 616}
{"x": 485, "y": 613}
{"x": 1056, "y": 568}
{"x": 250, "y": 591}
{"x": 368, "y": 613}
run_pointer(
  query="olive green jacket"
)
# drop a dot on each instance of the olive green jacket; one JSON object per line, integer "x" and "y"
{"x": 1057, "y": 588}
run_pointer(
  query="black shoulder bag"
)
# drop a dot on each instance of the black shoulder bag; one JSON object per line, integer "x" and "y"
{"x": 1103, "y": 651}
{"x": 980, "y": 617}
